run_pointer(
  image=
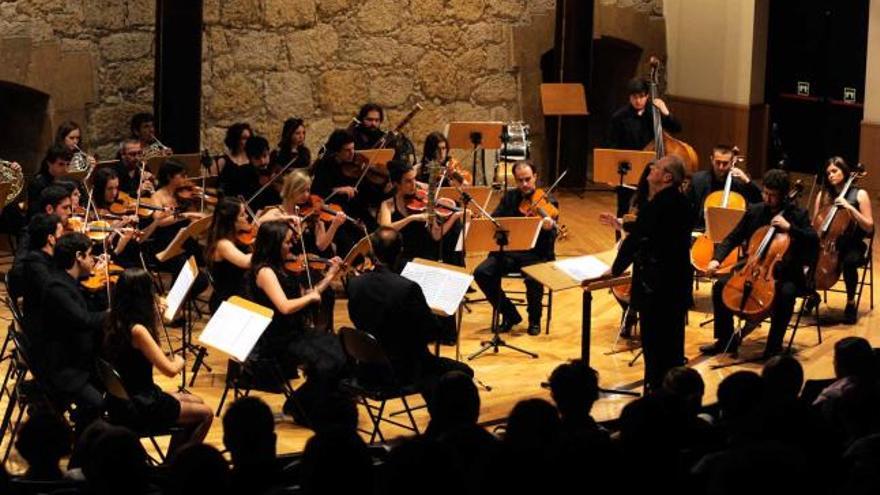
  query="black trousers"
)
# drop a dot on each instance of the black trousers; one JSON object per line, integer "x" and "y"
{"x": 488, "y": 277}
{"x": 662, "y": 323}
{"x": 783, "y": 307}
{"x": 852, "y": 256}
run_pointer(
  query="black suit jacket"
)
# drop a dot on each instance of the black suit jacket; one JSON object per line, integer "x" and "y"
{"x": 630, "y": 131}
{"x": 29, "y": 277}
{"x": 72, "y": 332}
{"x": 658, "y": 247}
{"x": 393, "y": 309}
{"x": 703, "y": 183}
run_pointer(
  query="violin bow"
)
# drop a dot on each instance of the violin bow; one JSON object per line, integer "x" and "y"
{"x": 552, "y": 186}
{"x": 302, "y": 246}
{"x": 270, "y": 181}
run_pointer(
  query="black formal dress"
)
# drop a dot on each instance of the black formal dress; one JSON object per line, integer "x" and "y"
{"x": 302, "y": 159}
{"x": 789, "y": 274}
{"x": 658, "y": 248}
{"x": 630, "y": 131}
{"x": 704, "y": 183}
{"x": 488, "y": 274}
{"x": 393, "y": 309}
{"x": 227, "y": 281}
{"x": 155, "y": 408}
{"x": 239, "y": 180}
{"x": 73, "y": 335}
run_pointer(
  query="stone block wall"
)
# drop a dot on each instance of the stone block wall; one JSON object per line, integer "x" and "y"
{"x": 93, "y": 58}
{"x": 267, "y": 60}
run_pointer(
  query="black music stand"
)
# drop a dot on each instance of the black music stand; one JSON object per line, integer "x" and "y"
{"x": 478, "y": 137}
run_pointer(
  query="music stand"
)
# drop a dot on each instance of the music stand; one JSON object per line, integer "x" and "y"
{"x": 193, "y": 230}
{"x": 478, "y": 194}
{"x": 619, "y": 167}
{"x": 476, "y": 136}
{"x": 561, "y": 100}
{"x": 500, "y": 235}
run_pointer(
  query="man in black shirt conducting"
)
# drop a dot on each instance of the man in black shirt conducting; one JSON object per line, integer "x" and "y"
{"x": 776, "y": 210}
{"x": 658, "y": 247}
{"x": 488, "y": 274}
{"x": 632, "y": 126}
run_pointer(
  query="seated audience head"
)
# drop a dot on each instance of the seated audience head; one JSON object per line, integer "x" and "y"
{"x": 325, "y": 453}
{"x": 533, "y": 425}
{"x": 455, "y": 403}
{"x": 249, "y": 432}
{"x": 42, "y": 441}
{"x": 387, "y": 245}
{"x": 574, "y": 387}
{"x": 854, "y": 357}
{"x": 687, "y": 385}
{"x": 783, "y": 378}
{"x": 424, "y": 463}
{"x": 118, "y": 463}
{"x": 44, "y": 230}
{"x": 335, "y": 411}
{"x": 199, "y": 468}
{"x": 738, "y": 394}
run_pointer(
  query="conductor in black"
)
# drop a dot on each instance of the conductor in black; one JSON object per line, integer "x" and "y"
{"x": 658, "y": 248}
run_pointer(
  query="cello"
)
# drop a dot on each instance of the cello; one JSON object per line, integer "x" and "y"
{"x": 751, "y": 289}
{"x": 703, "y": 249}
{"x": 664, "y": 144}
{"x": 831, "y": 226}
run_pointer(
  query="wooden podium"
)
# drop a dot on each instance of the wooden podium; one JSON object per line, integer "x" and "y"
{"x": 561, "y": 100}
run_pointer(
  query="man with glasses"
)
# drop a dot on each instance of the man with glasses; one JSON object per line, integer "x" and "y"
{"x": 658, "y": 248}
{"x": 705, "y": 182}
{"x": 129, "y": 168}
{"x": 488, "y": 274}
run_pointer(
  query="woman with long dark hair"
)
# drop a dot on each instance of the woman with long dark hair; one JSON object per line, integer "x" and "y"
{"x": 292, "y": 145}
{"x": 851, "y": 246}
{"x": 227, "y": 259}
{"x": 131, "y": 345}
{"x": 236, "y": 136}
{"x": 287, "y": 342}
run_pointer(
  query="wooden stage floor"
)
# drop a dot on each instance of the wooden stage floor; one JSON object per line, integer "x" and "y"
{"x": 513, "y": 376}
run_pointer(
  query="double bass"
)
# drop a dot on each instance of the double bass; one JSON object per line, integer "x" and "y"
{"x": 703, "y": 249}
{"x": 830, "y": 225}
{"x": 664, "y": 144}
{"x": 752, "y": 288}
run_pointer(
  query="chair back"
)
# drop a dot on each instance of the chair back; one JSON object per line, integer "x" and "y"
{"x": 363, "y": 348}
{"x": 112, "y": 381}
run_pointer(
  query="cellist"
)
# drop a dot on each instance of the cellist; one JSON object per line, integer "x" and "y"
{"x": 705, "y": 182}
{"x": 790, "y": 276}
{"x": 850, "y": 246}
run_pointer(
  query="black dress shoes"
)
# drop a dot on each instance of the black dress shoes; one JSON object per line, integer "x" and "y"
{"x": 534, "y": 328}
{"x": 508, "y": 322}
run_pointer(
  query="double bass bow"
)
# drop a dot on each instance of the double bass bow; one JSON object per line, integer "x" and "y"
{"x": 664, "y": 144}
{"x": 751, "y": 290}
{"x": 830, "y": 225}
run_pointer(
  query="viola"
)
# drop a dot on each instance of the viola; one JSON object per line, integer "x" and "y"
{"x": 126, "y": 205}
{"x": 315, "y": 207}
{"x": 703, "y": 249}
{"x": 831, "y": 224}
{"x": 538, "y": 204}
{"x": 316, "y": 264}
{"x": 98, "y": 279}
{"x": 191, "y": 192}
{"x": 418, "y": 201}
{"x": 247, "y": 236}
{"x": 752, "y": 288}
{"x": 457, "y": 174}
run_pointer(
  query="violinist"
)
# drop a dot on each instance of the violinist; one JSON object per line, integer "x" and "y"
{"x": 128, "y": 169}
{"x": 287, "y": 342}
{"x": 54, "y": 200}
{"x": 631, "y": 127}
{"x": 227, "y": 254}
{"x": 436, "y": 149}
{"x": 244, "y": 179}
{"x": 708, "y": 181}
{"x": 53, "y": 167}
{"x": 851, "y": 245}
{"x": 368, "y": 131}
{"x": 488, "y": 274}
{"x": 169, "y": 220}
{"x": 292, "y": 145}
{"x": 788, "y": 218}
{"x": 658, "y": 248}
{"x": 106, "y": 195}
{"x": 237, "y": 136}
{"x": 406, "y": 213}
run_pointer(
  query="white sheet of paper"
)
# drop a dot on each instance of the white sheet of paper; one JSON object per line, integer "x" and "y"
{"x": 444, "y": 289}
{"x": 180, "y": 289}
{"x": 234, "y": 330}
{"x": 582, "y": 268}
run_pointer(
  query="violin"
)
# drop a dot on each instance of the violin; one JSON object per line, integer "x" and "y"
{"x": 360, "y": 167}
{"x": 830, "y": 224}
{"x": 752, "y": 288}
{"x": 538, "y": 205}
{"x": 703, "y": 249}
{"x": 316, "y": 264}
{"x": 192, "y": 192}
{"x": 126, "y": 205}
{"x": 248, "y": 236}
{"x": 457, "y": 174}
{"x": 418, "y": 201}
{"x": 315, "y": 207}
{"x": 98, "y": 279}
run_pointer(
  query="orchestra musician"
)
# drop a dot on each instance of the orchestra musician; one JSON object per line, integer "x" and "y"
{"x": 53, "y": 167}
{"x": 705, "y": 182}
{"x": 105, "y": 194}
{"x": 130, "y": 344}
{"x": 54, "y": 200}
{"x": 850, "y": 246}
{"x": 143, "y": 128}
{"x": 227, "y": 254}
{"x": 128, "y": 169}
{"x": 787, "y": 217}
{"x": 292, "y": 145}
{"x": 658, "y": 248}
{"x": 631, "y": 126}
{"x": 69, "y": 134}
{"x": 171, "y": 181}
{"x": 488, "y": 274}
{"x": 244, "y": 179}
{"x": 237, "y": 136}
{"x": 436, "y": 149}
{"x": 287, "y": 341}
{"x": 368, "y": 131}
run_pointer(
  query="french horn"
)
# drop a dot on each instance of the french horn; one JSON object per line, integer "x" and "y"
{"x": 13, "y": 177}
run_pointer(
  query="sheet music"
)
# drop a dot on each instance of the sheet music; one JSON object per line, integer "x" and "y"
{"x": 234, "y": 330}
{"x": 180, "y": 289}
{"x": 582, "y": 268}
{"x": 444, "y": 289}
